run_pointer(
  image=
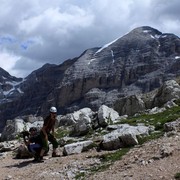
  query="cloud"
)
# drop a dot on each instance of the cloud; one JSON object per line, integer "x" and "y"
{"x": 25, "y": 66}
{"x": 36, "y": 32}
{"x": 10, "y": 58}
{"x": 53, "y": 30}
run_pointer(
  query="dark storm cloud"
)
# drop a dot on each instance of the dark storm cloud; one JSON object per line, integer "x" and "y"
{"x": 167, "y": 8}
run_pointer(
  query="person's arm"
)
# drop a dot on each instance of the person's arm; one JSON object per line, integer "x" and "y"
{"x": 45, "y": 125}
{"x": 29, "y": 141}
{"x": 53, "y": 131}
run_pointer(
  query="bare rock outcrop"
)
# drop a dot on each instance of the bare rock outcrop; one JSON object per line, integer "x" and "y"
{"x": 168, "y": 91}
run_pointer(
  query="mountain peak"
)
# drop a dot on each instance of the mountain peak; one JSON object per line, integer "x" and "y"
{"x": 5, "y": 75}
{"x": 3, "y": 72}
{"x": 146, "y": 29}
{"x": 139, "y": 33}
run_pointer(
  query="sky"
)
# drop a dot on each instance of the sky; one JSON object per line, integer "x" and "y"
{"x": 36, "y": 32}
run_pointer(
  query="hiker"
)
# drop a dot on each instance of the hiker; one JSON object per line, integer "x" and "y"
{"x": 32, "y": 140}
{"x": 47, "y": 133}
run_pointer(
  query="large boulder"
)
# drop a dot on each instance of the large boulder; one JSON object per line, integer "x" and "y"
{"x": 12, "y": 128}
{"x": 129, "y": 105}
{"x": 23, "y": 152}
{"x": 124, "y": 136}
{"x": 82, "y": 126}
{"x": 72, "y": 118}
{"x": 76, "y": 148}
{"x": 172, "y": 126}
{"x": 107, "y": 116}
{"x": 168, "y": 91}
{"x": 7, "y": 146}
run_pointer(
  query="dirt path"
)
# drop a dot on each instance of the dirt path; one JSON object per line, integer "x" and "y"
{"x": 155, "y": 160}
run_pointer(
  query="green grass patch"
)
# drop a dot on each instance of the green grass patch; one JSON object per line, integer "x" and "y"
{"x": 157, "y": 120}
{"x": 99, "y": 168}
{"x": 60, "y": 133}
{"x": 115, "y": 156}
{"x": 152, "y": 136}
{"x": 80, "y": 175}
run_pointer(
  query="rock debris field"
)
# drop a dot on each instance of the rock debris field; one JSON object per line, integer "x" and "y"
{"x": 154, "y": 160}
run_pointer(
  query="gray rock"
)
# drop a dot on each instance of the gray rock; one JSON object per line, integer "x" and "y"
{"x": 168, "y": 91}
{"x": 22, "y": 152}
{"x": 172, "y": 126}
{"x": 166, "y": 150}
{"x": 81, "y": 128}
{"x": 129, "y": 105}
{"x": 76, "y": 148}
{"x": 125, "y": 135}
{"x": 107, "y": 116}
{"x": 69, "y": 119}
{"x": 6, "y": 146}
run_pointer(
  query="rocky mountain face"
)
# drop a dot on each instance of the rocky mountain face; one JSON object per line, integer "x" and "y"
{"x": 25, "y": 96}
{"x": 9, "y": 91}
{"x": 136, "y": 63}
{"x": 9, "y": 88}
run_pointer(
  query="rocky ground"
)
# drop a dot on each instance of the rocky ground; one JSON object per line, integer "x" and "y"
{"x": 154, "y": 160}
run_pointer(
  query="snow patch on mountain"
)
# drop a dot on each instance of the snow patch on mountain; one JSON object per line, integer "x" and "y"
{"x": 105, "y": 46}
{"x": 112, "y": 54}
{"x": 91, "y": 60}
{"x": 15, "y": 87}
{"x": 177, "y": 57}
{"x": 156, "y": 36}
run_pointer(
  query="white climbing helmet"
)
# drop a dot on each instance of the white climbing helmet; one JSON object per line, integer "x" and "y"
{"x": 53, "y": 110}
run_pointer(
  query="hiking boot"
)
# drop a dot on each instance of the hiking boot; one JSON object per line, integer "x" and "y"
{"x": 34, "y": 160}
{"x": 55, "y": 155}
{"x": 39, "y": 159}
{"x": 36, "y": 156}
